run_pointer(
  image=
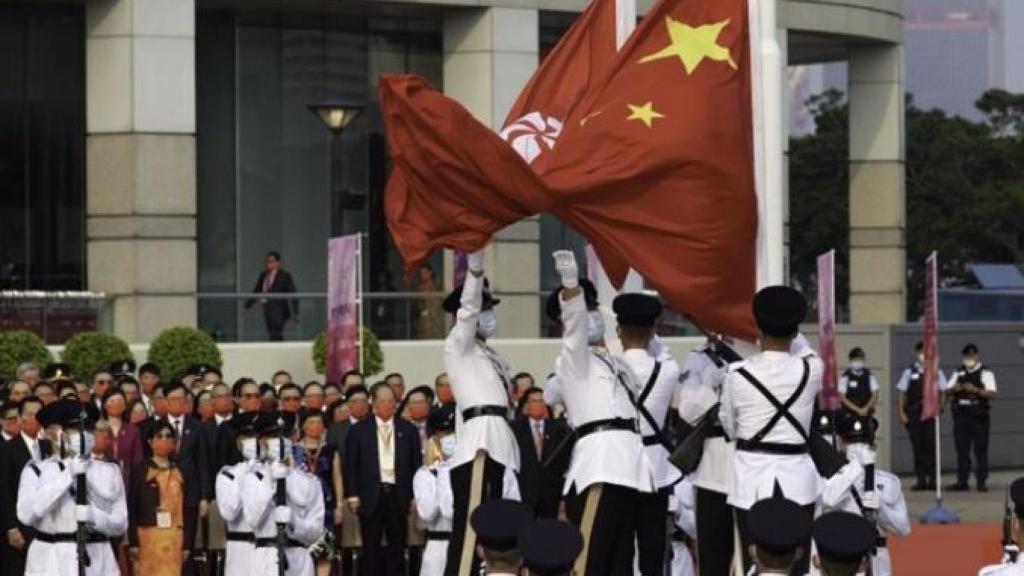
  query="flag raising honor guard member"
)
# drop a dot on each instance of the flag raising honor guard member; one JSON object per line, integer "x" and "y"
{"x": 479, "y": 378}
{"x": 609, "y": 465}
{"x": 240, "y": 542}
{"x": 767, "y": 404}
{"x": 1013, "y": 563}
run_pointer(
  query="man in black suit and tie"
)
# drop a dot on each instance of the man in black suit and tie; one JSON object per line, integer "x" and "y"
{"x": 276, "y": 312}
{"x": 191, "y": 459}
{"x": 14, "y": 454}
{"x": 538, "y": 436}
{"x": 381, "y": 455}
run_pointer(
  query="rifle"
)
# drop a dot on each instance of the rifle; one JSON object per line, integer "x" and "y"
{"x": 81, "y": 499}
{"x": 1010, "y": 548}
{"x": 280, "y": 499}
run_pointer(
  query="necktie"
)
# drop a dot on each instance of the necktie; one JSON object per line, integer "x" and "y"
{"x": 177, "y": 430}
{"x": 538, "y": 438}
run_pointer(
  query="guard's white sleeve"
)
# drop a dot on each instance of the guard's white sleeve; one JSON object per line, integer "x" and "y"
{"x": 108, "y": 508}
{"x": 424, "y": 490}
{"x": 306, "y": 497}
{"x": 445, "y": 497}
{"x": 463, "y": 334}
{"x": 229, "y": 495}
{"x": 259, "y": 499}
{"x": 892, "y": 513}
{"x": 697, "y": 393}
{"x": 510, "y": 488}
{"x": 837, "y": 488}
{"x": 553, "y": 389}
{"x": 686, "y": 508}
{"x": 573, "y": 360}
{"x": 38, "y": 494}
{"x": 726, "y": 411}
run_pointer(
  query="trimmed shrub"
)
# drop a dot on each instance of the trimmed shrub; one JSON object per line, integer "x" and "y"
{"x": 17, "y": 346}
{"x": 175, "y": 350}
{"x": 373, "y": 356}
{"x": 88, "y": 352}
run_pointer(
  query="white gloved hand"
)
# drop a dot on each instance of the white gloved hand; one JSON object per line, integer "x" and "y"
{"x": 870, "y": 500}
{"x": 565, "y": 265}
{"x": 78, "y": 466}
{"x": 861, "y": 453}
{"x": 278, "y": 471}
{"x": 475, "y": 261}
{"x": 82, "y": 513}
{"x": 282, "y": 515}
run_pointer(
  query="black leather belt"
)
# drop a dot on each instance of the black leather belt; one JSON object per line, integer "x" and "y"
{"x": 651, "y": 441}
{"x": 387, "y": 488}
{"x": 716, "y": 432}
{"x": 771, "y": 447}
{"x": 627, "y": 424}
{"x": 239, "y": 537}
{"x": 434, "y": 535}
{"x": 70, "y": 537}
{"x": 272, "y": 543}
{"x": 485, "y": 410}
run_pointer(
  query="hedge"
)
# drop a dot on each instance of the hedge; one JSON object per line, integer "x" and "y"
{"x": 175, "y": 350}
{"x": 373, "y": 356}
{"x": 17, "y": 346}
{"x": 88, "y": 352}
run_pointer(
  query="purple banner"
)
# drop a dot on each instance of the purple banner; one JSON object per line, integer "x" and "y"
{"x": 342, "y": 306}
{"x": 827, "y": 330}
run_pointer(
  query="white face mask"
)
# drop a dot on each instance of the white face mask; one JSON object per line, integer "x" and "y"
{"x": 73, "y": 444}
{"x": 970, "y": 363}
{"x": 920, "y": 358}
{"x": 448, "y": 446}
{"x": 857, "y": 365}
{"x": 250, "y": 450}
{"x": 274, "y": 448}
{"x": 595, "y": 327}
{"x": 487, "y": 324}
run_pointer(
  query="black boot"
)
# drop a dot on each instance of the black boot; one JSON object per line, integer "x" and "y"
{"x": 921, "y": 486}
{"x": 982, "y": 486}
{"x": 960, "y": 486}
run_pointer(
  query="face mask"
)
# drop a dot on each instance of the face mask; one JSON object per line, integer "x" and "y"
{"x": 116, "y": 408}
{"x": 444, "y": 395}
{"x": 163, "y": 447}
{"x": 223, "y": 405}
{"x": 315, "y": 404}
{"x": 419, "y": 411}
{"x": 856, "y": 365}
{"x": 385, "y": 410}
{"x": 920, "y": 358}
{"x": 595, "y": 327}
{"x": 72, "y": 443}
{"x": 250, "y": 449}
{"x": 448, "y": 445}
{"x": 970, "y": 363}
{"x": 536, "y": 410}
{"x": 487, "y": 324}
{"x": 30, "y": 426}
{"x": 138, "y": 417}
{"x": 268, "y": 404}
{"x": 206, "y": 411}
{"x": 314, "y": 430}
{"x": 274, "y": 450}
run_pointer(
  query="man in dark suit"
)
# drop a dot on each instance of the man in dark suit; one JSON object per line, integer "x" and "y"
{"x": 276, "y": 312}
{"x": 191, "y": 459}
{"x": 538, "y": 436}
{"x": 13, "y": 456}
{"x": 381, "y": 455}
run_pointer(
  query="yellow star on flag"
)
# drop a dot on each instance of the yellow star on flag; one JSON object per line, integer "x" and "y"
{"x": 645, "y": 113}
{"x": 692, "y": 45}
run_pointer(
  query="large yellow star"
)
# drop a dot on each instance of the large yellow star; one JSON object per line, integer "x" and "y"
{"x": 645, "y": 113}
{"x": 692, "y": 45}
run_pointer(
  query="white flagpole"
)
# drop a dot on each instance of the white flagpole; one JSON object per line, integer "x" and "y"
{"x": 771, "y": 251}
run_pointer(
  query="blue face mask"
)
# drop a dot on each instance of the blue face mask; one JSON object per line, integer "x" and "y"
{"x": 487, "y": 324}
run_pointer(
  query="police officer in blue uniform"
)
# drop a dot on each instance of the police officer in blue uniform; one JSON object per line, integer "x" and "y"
{"x": 970, "y": 389}
{"x": 922, "y": 433}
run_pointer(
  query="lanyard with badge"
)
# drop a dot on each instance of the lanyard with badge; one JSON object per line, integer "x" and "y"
{"x": 163, "y": 480}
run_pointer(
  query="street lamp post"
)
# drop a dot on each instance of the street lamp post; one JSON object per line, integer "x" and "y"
{"x": 336, "y": 116}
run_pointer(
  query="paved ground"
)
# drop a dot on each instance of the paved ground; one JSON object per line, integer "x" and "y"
{"x": 969, "y": 506}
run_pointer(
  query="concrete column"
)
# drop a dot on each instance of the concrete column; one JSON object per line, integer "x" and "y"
{"x": 877, "y": 180}
{"x": 489, "y": 55}
{"x": 141, "y": 162}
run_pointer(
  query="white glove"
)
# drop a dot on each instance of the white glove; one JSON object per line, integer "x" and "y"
{"x": 278, "y": 471}
{"x": 78, "y": 466}
{"x": 870, "y": 500}
{"x": 565, "y": 265}
{"x": 475, "y": 261}
{"x": 282, "y": 515}
{"x": 82, "y": 513}
{"x": 861, "y": 453}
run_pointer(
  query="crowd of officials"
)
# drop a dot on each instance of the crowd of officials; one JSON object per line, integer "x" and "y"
{"x": 623, "y": 462}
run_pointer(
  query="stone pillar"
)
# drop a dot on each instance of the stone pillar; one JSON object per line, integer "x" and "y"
{"x": 877, "y": 180}
{"x": 489, "y": 55}
{"x": 141, "y": 162}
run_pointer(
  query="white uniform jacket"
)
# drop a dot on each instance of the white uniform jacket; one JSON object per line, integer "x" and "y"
{"x": 700, "y": 390}
{"x": 745, "y": 411}
{"x": 305, "y": 498}
{"x": 683, "y": 507}
{"x": 656, "y": 398}
{"x": 592, "y": 391}
{"x": 238, "y": 554}
{"x": 425, "y": 486}
{"x": 46, "y": 503}
{"x": 1016, "y": 569}
{"x": 478, "y": 379}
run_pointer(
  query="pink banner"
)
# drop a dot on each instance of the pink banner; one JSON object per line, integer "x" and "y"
{"x": 827, "y": 330}
{"x": 342, "y": 306}
{"x": 931, "y": 338}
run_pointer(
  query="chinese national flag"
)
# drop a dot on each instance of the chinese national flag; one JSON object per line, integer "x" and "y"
{"x": 657, "y": 165}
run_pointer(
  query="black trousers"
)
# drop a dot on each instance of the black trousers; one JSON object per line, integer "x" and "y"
{"x": 191, "y": 519}
{"x": 922, "y": 441}
{"x": 970, "y": 431}
{"x": 275, "y": 324}
{"x": 388, "y": 520}
{"x": 714, "y": 533}
{"x": 612, "y": 531}
{"x": 12, "y": 561}
{"x": 652, "y": 531}
{"x": 799, "y": 568}
{"x": 491, "y": 488}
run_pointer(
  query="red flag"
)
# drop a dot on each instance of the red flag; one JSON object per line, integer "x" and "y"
{"x": 657, "y": 165}
{"x": 931, "y": 339}
{"x": 827, "y": 330}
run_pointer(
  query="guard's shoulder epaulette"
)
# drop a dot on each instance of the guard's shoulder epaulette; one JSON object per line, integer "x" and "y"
{"x": 226, "y": 472}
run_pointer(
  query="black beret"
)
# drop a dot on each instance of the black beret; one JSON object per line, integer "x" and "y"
{"x": 969, "y": 350}
{"x": 122, "y": 367}
{"x": 636, "y": 309}
{"x": 779, "y": 310}
{"x": 553, "y": 306}
{"x": 843, "y": 537}
{"x": 441, "y": 419}
{"x": 1017, "y": 496}
{"x": 497, "y": 523}
{"x": 57, "y": 372}
{"x": 244, "y": 423}
{"x": 856, "y": 428}
{"x": 857, "y": 352}
{"x": 273, "y": 423}
{"x": 65, "y": 413}
{"x": 549, "y": 546}
{"x": 453, "y": 301}
{"x": 778, "y": 525}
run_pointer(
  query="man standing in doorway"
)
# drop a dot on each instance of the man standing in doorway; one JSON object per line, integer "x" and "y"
{"x": 274, "y": 280}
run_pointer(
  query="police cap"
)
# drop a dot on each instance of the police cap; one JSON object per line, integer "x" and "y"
{"x": 843, "y": 537}
{"x": 779, "y": 310}
{"x": 636, "y": 309}
{"x": 549, "y": 547}
{"x": 778, "y": 525}
{"x": 497, "y": 523}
